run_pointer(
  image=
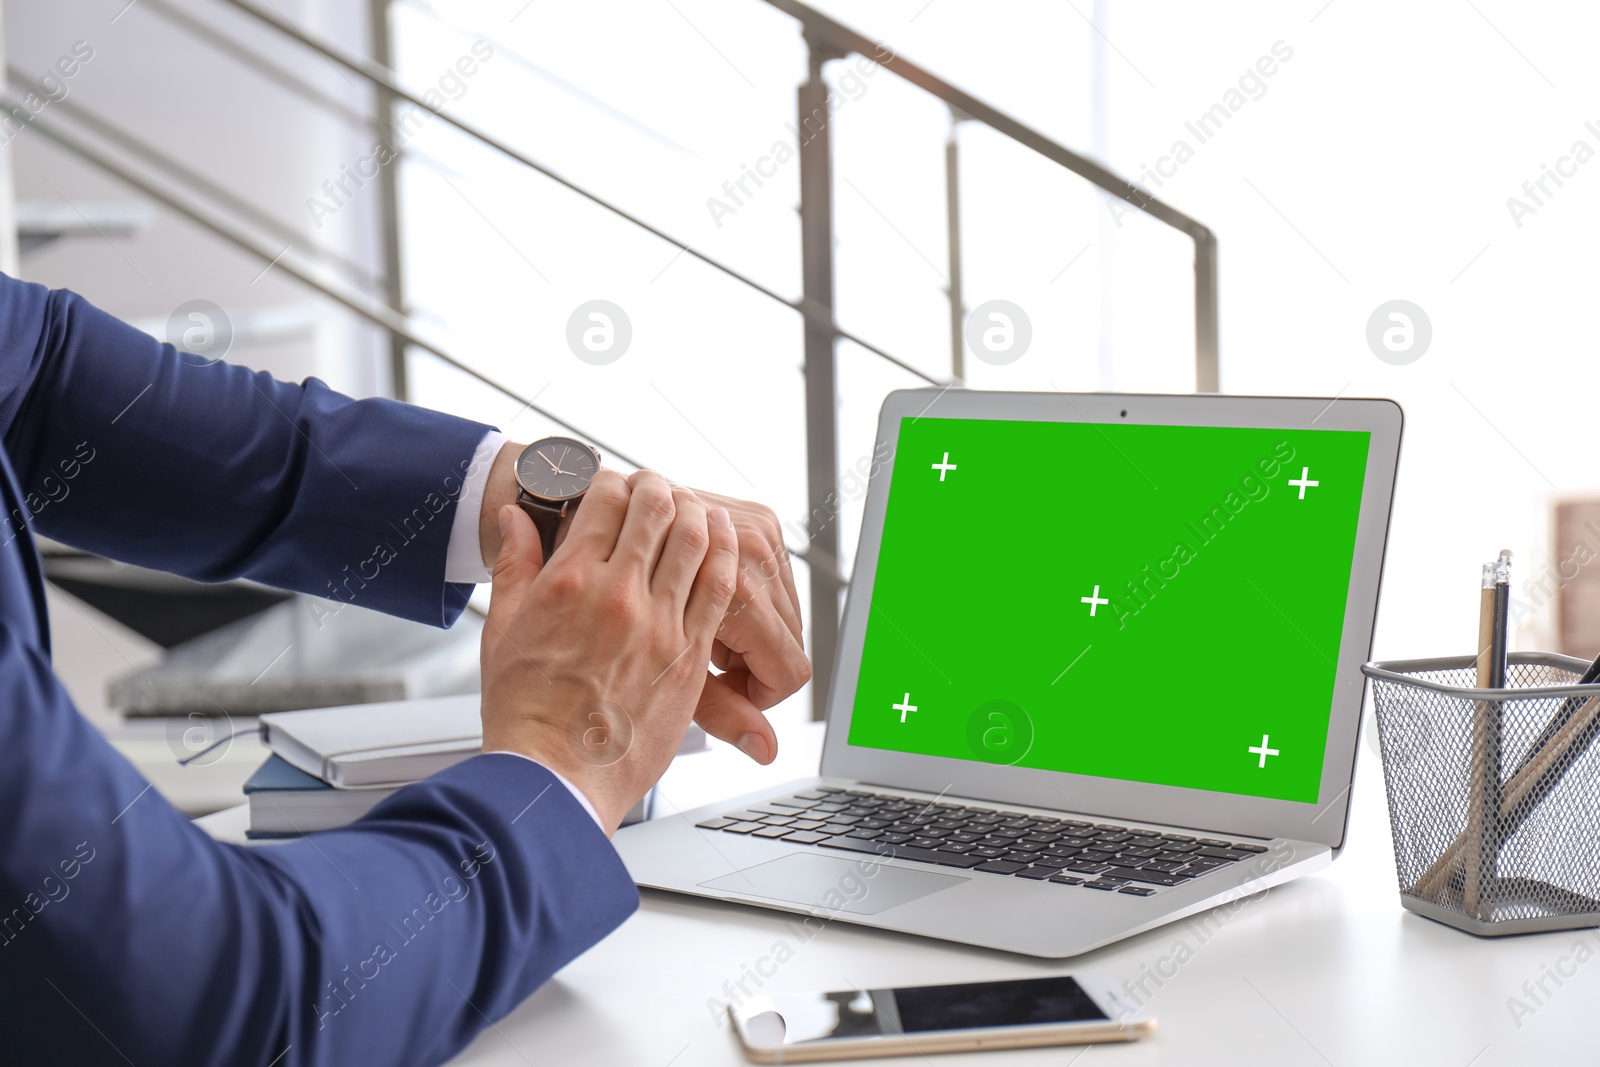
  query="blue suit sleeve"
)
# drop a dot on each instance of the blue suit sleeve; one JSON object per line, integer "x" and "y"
{"x": 214, "y": 472}
{"x": 128, "y": 935}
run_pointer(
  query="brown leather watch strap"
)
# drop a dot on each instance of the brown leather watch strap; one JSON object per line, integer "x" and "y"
{"x": 546, "y": 516}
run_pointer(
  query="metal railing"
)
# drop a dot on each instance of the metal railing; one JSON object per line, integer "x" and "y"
{"x": 826, "y": 40}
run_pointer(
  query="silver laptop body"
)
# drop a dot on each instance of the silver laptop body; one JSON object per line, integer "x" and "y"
{"x": 1243, "y": 668}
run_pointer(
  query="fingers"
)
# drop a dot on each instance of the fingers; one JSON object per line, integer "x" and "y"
{"x": 519, "y": 563}
{"x": 792, "y": 615}
{"x": 684, "y": 550}
{"x": 715, "y": 581}
{"x": 644, "y": 529}
{"x": 774, "y": 656}
{"x": 764, "y": 558}
{"x": 766, "y": 562}
{"x": 725, "y": 712}
{"x": 760, "y": 576}
{"x": 598, "y": 522}
{"x": 725, "y": 658}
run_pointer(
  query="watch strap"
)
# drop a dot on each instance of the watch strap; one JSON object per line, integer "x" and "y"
{"x": 546, "y": 516}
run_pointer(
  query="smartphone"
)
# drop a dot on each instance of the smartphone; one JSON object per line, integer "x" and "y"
{"x": 915, "y": 1020}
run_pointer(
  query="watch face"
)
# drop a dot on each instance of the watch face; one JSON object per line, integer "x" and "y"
{"x": 557, "y": 468}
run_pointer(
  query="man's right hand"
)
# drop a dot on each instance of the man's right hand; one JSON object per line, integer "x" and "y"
{"x": 593, "y": 661}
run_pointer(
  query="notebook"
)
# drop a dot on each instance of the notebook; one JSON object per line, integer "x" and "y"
{"x": 287, "y": 802}
{"x": 371, "y": 746}
{"x": 390, "y": 744}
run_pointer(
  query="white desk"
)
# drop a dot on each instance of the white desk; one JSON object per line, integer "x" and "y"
{"x": 1325, "y": 970}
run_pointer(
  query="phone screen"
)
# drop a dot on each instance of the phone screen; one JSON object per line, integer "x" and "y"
{"x": 810, "y": 1018}
{"x": 1018, "y": 1003}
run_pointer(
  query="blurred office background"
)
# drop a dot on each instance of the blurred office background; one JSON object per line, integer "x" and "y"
{"x": 1363, "y": 154}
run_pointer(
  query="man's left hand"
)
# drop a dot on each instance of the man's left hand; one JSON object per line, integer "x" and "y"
{"x": 759, "y": 648}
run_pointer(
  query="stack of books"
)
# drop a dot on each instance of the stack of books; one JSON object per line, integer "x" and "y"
{"x": 330, "y": 766}
{"x": 287, "y": 802}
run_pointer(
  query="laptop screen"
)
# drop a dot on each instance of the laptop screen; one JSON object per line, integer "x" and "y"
{"x": 1158, "y": 604}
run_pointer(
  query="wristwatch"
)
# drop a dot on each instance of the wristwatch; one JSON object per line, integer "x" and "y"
{"x": 552, "y": 476}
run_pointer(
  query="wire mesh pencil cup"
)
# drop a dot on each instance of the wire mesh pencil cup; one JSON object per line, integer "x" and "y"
{"x": 1494, "y": 794}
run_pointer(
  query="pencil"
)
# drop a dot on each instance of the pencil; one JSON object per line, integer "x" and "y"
{"x": 1483, "y": 789}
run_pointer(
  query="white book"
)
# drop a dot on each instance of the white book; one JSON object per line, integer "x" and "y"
{"x": 377, "y": 746}
{"x": 395, "y": 743}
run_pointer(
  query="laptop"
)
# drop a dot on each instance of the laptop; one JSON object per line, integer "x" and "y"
{"x": 1099, "y": 669}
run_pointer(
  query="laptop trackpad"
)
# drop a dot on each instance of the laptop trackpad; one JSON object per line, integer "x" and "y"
{"x": 859, "y": 887}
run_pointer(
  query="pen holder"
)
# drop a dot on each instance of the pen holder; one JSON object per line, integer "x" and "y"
{"x": 1494, "y": 794}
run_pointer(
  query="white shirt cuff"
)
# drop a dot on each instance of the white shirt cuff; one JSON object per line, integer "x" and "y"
{"x": 463, "y": 558}
{"x": 574, "y": 790}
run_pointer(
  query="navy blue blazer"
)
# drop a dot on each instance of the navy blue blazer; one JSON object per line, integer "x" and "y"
{"x": 126, "y": 934}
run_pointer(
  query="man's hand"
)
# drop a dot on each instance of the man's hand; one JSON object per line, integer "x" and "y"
{"x": 593, "y": 661}
{"x": 759, "y": 649}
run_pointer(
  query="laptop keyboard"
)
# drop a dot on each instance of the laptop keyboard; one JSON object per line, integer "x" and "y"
{"x": 1070, "y": 852}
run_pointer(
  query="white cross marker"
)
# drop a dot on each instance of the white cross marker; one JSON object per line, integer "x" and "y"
{"x": 1094, "y": 600}
{"x": 945, "y": 467}
{"x": 904, "y": 706}
{"x": 1304, "y": 481}
{"x": 1263, "y": 751}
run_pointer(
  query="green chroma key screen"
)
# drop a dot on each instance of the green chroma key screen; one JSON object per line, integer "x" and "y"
{"x": 1152, "y": 603}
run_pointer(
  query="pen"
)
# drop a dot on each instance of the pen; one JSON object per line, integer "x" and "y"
{"x": 1502, "y": 604}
